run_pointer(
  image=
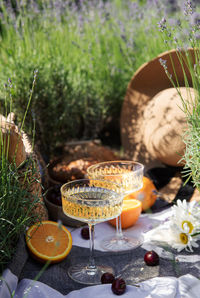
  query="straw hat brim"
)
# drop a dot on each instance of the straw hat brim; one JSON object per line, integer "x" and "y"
{"x": 147, "y": 82}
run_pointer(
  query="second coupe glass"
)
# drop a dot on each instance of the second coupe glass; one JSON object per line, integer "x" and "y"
{"x": 129, "y": 174}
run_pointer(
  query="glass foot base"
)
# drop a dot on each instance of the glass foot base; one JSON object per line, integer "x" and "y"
{"x": 84, "y": 275}
{"x": 123, "y": 243}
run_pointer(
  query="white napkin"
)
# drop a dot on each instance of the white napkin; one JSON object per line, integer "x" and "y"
{"x": 186, "y": 286}
{"x": 156, "y": 239}
{"x": 8, "y": 283}
{"x": 157, "y": 287}
{"x": 103, "y": 230}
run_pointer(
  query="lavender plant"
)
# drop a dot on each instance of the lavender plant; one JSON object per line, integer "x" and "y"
{"x": 86, "y": 54}
{"x": 183, "y": 38}
{"x": 17, "y": 202}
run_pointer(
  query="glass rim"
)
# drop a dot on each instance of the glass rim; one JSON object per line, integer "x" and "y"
{"x": 100, "y": 180}
{"x": 94, "y": 166}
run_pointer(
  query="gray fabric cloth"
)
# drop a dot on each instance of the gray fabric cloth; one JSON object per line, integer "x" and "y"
{"x": 129, "y": 265}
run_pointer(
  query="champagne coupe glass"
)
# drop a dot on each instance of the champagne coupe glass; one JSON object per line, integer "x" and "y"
{"x": 129, "y": 174}
{"x": 91, "y": 201}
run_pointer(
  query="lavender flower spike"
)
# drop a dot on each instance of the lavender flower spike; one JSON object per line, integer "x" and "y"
{"x": 188, "y": 9}
{"x": 163, "y": 63}
{"x": 162, "y": 25}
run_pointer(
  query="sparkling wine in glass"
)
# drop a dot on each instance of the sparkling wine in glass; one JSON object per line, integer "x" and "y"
{"x": 91, "y": 201}
{"x": 129, "y": 174}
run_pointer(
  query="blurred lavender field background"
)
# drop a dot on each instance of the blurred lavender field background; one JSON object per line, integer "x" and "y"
{"x": 86, "y": 53}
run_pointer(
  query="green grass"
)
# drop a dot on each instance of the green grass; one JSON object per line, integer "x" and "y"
{"x": 84, "y": 66}
{"x": 16, "y": 211}
{"x": 85, "y": 58}
{"x": 19, "y": 197}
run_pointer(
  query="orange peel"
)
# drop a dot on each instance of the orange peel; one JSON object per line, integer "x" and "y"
{"x": 49, "y": 241}
{"x": 131, "y": 211}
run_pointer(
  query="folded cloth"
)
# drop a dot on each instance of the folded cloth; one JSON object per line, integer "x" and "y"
{"x": 168, "y": 234}
{"x": 128, "y": 264}
{"x": 186, "y": 286}
{"x": 145, "y": 223}
{"x": 157, "y": 287}
{"x": 156, "y": 240}
{"x": 8, "y": 283}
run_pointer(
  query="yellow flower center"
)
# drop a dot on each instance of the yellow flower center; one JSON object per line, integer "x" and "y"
{"x": 184, "y": 238}
{"x": 189, "y": 224}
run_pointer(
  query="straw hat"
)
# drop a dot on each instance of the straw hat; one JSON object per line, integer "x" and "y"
{"x": 152, "y": 122}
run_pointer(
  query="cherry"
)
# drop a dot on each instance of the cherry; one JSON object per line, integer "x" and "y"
{"x": 151, "y": 258}
{"x": 118, "y": 286}
{"x": 107, "y": 278}
{"x": 85, "y": 233}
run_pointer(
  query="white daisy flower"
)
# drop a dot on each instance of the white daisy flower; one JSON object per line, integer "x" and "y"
{"x": 185, "y": 222}
{"x": 196, "y": 210}
{"x": 184, "y": 217}
{"x": 181, "y": 240}
{"x": 182, "y": 230}
{"x": 184, "y": 225}
{"x": 184, "y": 207}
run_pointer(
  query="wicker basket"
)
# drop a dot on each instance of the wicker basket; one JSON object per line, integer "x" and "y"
{"x": 56, "y": 212}
{"x": 20, "y": 151}
{"x": 70, "y": 166}
{"x": 77, "y": 157}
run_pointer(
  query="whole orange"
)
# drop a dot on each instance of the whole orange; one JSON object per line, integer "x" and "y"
{"x": 131, "y": 211}
{"x": 146, "y": 195}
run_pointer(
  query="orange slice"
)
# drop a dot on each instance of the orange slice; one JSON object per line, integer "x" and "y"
{"x": 131, "y": 211}
{"x": 49, "y": 241}
{"x": 147, "y": 194}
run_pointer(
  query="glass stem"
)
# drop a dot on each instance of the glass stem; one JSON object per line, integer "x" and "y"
{"x": 119, "y": 227}
{"x": 91, "y": 258}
